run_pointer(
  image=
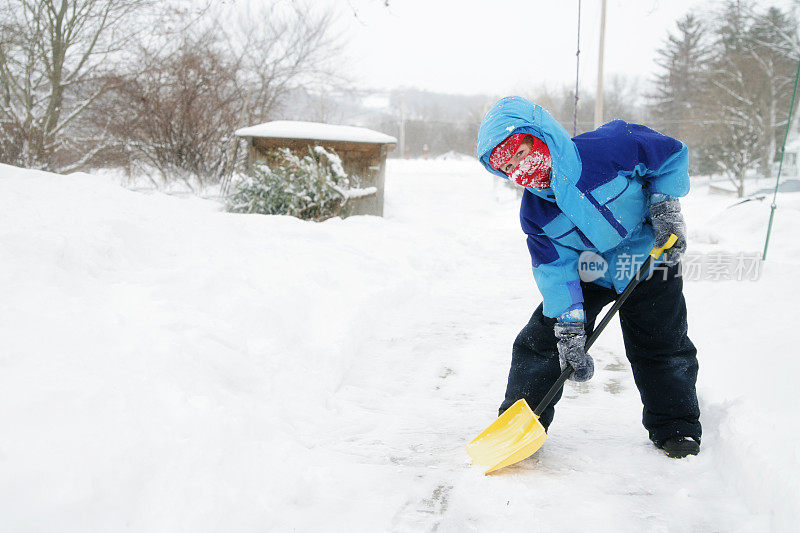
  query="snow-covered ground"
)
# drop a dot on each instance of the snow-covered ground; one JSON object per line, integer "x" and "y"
{"x": 165, "y": 366}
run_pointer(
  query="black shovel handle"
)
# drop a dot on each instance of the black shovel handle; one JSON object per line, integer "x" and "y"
{"x": 604, "y": 322}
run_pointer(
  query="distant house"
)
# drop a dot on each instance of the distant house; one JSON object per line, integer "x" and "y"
{"x": 363, "y": 151}
{"x": 790, "y": 160}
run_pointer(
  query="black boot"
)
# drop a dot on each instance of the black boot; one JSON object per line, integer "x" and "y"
{"x": 680, "y": 447}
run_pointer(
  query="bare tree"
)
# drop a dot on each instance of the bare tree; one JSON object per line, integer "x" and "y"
{"x": 775, "y": 60}
{"x": 53, "y": 58}
{"x": 737, "y": 129}
{"x": 174, "y": 113}
{"x": 190, "y": 92}
{"x": 622, "y": 101}
{"x": 777, "y": 31}
{"x": 281, "y": 47}
{"x": 748, "y": 89}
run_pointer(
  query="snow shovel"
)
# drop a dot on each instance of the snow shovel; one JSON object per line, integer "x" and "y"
{"x": 517, "y": 433}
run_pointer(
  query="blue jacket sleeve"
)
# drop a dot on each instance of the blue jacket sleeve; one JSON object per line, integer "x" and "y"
{"x": 663, "y": 162}
{"x": 555, "y": 269}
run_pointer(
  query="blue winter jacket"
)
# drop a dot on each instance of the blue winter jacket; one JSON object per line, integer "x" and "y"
{"x": 601, "y": 184}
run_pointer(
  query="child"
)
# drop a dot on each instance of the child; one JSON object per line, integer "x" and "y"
{"x": 603, "y": 199}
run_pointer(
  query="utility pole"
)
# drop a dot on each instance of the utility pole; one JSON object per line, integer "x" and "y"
{"x": 598, "y": 105}
{"x": 402, "y": 126}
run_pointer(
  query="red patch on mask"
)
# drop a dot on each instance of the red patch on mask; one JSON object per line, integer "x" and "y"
{"x": 534, "y": 169}
{"x": 504, "y": 151}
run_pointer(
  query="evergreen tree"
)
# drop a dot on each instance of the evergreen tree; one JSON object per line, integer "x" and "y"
{"x": 677, "y": 95}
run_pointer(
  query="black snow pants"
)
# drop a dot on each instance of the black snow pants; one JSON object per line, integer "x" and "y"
{"x": 663, "y": 359}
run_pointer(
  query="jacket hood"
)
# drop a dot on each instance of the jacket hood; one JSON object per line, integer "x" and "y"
{"x": 514, "y": 114}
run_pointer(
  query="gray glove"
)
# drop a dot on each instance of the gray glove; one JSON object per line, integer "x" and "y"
{"x": 571, "y": 350}
{"x": 666, "y": 217}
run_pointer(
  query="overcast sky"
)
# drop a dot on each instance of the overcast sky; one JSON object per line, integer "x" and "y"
{"x": 504, "y": 46}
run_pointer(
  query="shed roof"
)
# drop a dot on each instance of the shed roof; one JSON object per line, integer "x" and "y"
{"x": 318, "y": 131}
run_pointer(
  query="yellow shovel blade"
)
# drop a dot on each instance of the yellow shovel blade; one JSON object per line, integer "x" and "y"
{"x": 514, "y": 436}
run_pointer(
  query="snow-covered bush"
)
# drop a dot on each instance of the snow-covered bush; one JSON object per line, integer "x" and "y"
{"x": 311, "y": 187}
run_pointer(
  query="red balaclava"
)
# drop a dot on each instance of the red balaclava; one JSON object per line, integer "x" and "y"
{"x": 533, "y": 170}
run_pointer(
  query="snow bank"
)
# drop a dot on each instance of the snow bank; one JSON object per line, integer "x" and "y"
{"x": 166, "y": 365}
{"x": 743, "y": 226}
{"x": 747, "y": 363}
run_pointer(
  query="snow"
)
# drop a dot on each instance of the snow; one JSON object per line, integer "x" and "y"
{"x": 289, "y": 129}
{"x": 452, "y": 155}
{"x": 166, "y": 366}
{"x": 360, "y": 192}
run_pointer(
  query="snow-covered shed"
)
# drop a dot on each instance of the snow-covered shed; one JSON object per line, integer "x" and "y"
{"x": 363, "y": 151}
